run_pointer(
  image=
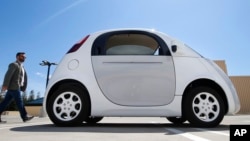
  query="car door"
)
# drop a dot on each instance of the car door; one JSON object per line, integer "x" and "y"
{"x": 134, "y": 68}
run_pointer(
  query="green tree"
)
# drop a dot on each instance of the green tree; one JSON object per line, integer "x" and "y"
{"x": 31, "y": 95}
{"x": 38, "y": 95}
{"x": 24, "y": 97}
{"x": 1, "y": 97}
{"x": 1, "y": 94}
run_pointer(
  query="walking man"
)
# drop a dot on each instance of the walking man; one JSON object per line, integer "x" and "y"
{"x": 15, "y": 82}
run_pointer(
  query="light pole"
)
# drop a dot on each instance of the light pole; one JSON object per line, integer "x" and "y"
{"x": 47, "y": 63}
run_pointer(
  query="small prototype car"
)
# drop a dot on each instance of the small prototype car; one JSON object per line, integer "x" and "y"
{"x": 137, "y": 73}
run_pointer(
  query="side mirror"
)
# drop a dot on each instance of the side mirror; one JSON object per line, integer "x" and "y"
{"x": 174, "y": 48}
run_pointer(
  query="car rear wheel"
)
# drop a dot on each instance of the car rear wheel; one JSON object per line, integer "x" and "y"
{"x": 68, "y": 106}
{"x": 203, "y": 107}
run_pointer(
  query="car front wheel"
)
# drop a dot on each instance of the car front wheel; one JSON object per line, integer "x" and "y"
{"x": 68, "y": 106}
{"x": 204, "y": 107}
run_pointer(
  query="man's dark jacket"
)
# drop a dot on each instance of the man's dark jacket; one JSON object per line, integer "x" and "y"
{"x": 13, "y": 77}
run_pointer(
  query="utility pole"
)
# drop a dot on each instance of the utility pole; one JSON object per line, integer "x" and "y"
{"x": 47, "y": 63}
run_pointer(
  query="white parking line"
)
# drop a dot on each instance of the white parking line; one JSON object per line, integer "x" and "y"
{"x": 186, "y": 135}
{"x": 215, "y": 132}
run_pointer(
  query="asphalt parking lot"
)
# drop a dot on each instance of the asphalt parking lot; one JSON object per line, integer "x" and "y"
{"x": 116, "y": 129}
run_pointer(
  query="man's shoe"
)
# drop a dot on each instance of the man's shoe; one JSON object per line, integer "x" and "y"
{"x": 1, "y": 121}
{"x": 28, "y": 118}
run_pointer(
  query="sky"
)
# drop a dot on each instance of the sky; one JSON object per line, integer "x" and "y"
{"x": 47, "y": 29}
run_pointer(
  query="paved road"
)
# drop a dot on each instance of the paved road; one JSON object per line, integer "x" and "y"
{"x": 116, "y": 129}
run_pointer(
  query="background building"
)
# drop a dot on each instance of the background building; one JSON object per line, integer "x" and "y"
{"x": 242, "y": 86}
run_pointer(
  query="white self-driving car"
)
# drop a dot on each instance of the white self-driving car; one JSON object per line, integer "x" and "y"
{"x": 137, "y": 73}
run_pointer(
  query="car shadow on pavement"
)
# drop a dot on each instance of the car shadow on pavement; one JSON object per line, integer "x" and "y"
{"x": 118, "y": 128}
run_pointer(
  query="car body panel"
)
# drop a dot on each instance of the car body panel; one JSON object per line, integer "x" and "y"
{"x": 136, "y": 80}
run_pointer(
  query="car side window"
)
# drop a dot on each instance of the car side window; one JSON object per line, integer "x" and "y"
{"x": 131, "y": 44}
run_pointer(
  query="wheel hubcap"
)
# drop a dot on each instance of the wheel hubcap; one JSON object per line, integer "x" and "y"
{"x": 206, "y": 107}
{"x": 67, "y": 106}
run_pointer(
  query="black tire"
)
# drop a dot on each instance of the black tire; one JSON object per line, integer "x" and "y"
{"x": 203, "y": 107}
{"x": 93, "y": 120}
{"x": 69, "y": 105}
{"x": 176, "y": 120}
